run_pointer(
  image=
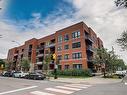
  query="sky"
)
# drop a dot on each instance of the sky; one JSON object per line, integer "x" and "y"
{"x": 21, "y": 20}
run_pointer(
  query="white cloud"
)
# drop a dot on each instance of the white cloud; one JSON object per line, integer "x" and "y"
{"x": 101, "y": 15}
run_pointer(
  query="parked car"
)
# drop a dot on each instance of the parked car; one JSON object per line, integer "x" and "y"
{"x": 19, "y": 74}
{"x": 2, "y": 73}
{"x": 121, "y": 73}
{"x": 7, "y": 74}
{"x": 35, "y": 76}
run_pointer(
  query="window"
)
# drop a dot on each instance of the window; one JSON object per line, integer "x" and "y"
{"x": 60, "y": 39}
{"x": 76, "y": 34}
{"x": 66, "y": 47}
{"x": 66, "y": 56}
{"x": 77, "y": 55}
{"x": 66, "y": 66}
{"x": 59, "y": 48}
{"x": 59, "y": 57}
{"x": 66, "y": 37}
{"x": 76, "y": 45}
{"x": 22, "y": 50}
{"x": 77, "y": 66}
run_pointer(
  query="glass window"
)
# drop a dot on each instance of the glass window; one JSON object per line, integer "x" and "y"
{"x": 76, "y": 34}
{"x": 76, "y": 45}
{"x": 77, "y": 66}
{"x": 66, "y": 37}
{"x": 66, "y": 66}
{"x": 60, "y": 38}
{"x": 77, "y": 55}
{"x": 66, "y": 56}
{"x": 66, "y": 47}
{"x": 59, "y": 57}
{"x": 59, "y": 48}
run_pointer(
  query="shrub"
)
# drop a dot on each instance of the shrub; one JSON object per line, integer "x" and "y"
{"x": 74, "y": 72}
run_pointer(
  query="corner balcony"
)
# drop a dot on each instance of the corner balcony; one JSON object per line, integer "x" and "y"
{"x": 89, "y": 48}
{"x": 88, "y": 38}
{"x": 89, "y": 59}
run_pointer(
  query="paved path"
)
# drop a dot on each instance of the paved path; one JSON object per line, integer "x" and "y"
{"x": 91, "y": 80}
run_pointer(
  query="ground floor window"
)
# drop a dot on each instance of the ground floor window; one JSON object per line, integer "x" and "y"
{"x": 66, "y": 66}
{"x": 77, "y": 66}
{"x": 39, "y": 67}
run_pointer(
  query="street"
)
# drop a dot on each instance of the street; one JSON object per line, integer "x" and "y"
{"x": 14, "y": 86}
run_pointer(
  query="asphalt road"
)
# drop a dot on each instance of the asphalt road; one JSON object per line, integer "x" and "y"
{"x": 13, "y": 86}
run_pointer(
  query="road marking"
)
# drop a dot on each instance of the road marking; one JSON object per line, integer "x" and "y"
{"x": 68, "y": 88}
{"x": 40, "y": 93}
{"x": 81, "y": 85}
{"x": 21, "y": 89}
{"x": 77, "y": 86}
{"x": 59, "y": 90}
{"x": 125, "y": 83}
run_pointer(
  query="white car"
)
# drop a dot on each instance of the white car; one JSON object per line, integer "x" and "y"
{"x": 19, "y": 74}
{"x": 123, "y": 73}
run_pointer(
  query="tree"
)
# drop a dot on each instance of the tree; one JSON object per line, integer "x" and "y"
{"x": 8, "y": 66}
{"x": 46, "y": 62}
{"x": 101, "y": 58}
{"x": 120, "y": 3}
{"x": 122, "y": 41}
{"x": 25, "y": 64}
{"x": 2, "y": 64}
{"x": 109, "y": 59}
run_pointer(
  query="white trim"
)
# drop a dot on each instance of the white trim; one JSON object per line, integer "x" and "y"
{"x": 17, "y": 90}
{"x": 59, "y": 90}
{"x": 40, "y": 93}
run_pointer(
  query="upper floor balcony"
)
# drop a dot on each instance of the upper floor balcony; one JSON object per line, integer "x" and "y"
{"x": 89, "y": 48}
{"x": 88, "y": 38}
{"x": 90, "y": 59}
{"x": 50, "y": 45}
{"x": 41, "y": 47}
{"x": 40, "y": 55}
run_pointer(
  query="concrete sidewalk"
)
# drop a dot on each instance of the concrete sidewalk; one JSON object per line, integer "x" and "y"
{"x": 91, "y": 80}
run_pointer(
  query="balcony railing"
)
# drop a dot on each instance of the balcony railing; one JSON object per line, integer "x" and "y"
{"x": 40, "y": 47}
{"x": 87, "y": 37}
{"x": 90, "y": 59}
{"x": 50, "y": 45}
{"x": 90, "y": 48}
{"x": 39, "y": 63}
{"x": 40, "y": 55}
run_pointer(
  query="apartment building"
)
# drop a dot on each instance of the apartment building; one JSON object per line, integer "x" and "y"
{"x": 74, "y": 47}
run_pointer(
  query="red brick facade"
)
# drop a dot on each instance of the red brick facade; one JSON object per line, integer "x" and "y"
{"x": 73, "y": 46}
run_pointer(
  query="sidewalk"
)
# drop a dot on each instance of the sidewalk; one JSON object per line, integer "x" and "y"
{"x": 91, "y": 80}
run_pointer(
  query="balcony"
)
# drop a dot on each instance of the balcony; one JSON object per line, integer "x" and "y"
{"x": 90, "y": 59}
{"x": 88, "y": 38}
{"x": 89, "y": 48}
{"x": 40, "y": 55}
{"x": 50, "y": 45}
{"x": 30, "y": 50}
{"x": 40, "y": 47}
{"x": 16, "y": 54}
{"x": 39, "y": 63}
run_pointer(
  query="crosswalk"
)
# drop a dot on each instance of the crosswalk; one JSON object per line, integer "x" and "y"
{"x": 61, "y": 90}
